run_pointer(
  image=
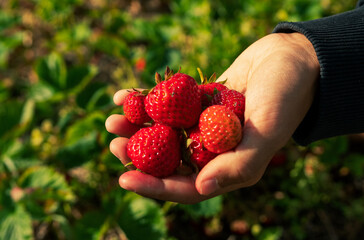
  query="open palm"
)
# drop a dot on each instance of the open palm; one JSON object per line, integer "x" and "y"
{"x": 278, "y": 75}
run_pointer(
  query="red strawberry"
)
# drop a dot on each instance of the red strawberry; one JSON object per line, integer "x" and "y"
{"x": 140, "y": 64}
{"x": 220, "y": 128}
{"x": 155, "y": 150}
{"x": 200, "y": 155}
{"x": 233, "y": 100}
{"x": 207, "y": 92}
{"x": 208, "y": 88}
{"x": 175, "y": 102}
{"x": 134, "y": 108}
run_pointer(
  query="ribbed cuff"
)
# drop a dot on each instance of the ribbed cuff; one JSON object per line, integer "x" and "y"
{"x": 338, "y": 107}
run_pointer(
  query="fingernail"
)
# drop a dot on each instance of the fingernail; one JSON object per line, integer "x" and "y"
{"x": 209, "y": 186}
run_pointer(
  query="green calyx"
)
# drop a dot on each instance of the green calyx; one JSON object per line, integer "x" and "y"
{"x": 204, "y": 79}
{"x": 212, "y": 79}
{"x": 140, "y": 92}
{"x": 167, "y": 75}
{"x": 187, "y": 151}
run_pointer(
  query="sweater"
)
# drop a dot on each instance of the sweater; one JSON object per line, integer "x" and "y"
{"x": 338, "y": 105}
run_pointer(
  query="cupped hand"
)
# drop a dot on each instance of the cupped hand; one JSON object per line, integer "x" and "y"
{"x": 278, "y": 75}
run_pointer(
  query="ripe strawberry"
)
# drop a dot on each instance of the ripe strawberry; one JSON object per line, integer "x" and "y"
{"x": 220, "y": 128}
{"x": 175, "y": 102}
{"x": 233, "y": 100}
{"x": 134, "y": 108}
{"x": 208, "y": 88}
{"x": 200, "y": 155}
{"x": 155, "y": 150}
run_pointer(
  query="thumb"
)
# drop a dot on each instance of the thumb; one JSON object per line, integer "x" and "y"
{"x": 242, "y": 167}
{"x": 245, "y": 165}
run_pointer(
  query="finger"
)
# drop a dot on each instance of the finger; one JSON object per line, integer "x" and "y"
{"x": 119, "y": 125}
{"x": 118, "y": 148}
{"x": 120, "y": 95}
{"x": 175, "y": 188}
{"x": 232, "y": 170}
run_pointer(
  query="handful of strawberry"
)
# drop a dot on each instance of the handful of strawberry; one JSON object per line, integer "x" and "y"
{"x": 182, "y": 122}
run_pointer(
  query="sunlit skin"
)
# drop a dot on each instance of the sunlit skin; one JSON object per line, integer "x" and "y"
{"x": 278, "y": 76}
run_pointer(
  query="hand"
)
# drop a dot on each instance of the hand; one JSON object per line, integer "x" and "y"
{"x": 278, "y": 76}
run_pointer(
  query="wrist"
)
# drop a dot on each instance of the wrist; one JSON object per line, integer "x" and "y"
{"x": 303, "y": 50}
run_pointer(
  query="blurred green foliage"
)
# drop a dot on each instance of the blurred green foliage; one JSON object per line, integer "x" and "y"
{"x": 61, "y": 62}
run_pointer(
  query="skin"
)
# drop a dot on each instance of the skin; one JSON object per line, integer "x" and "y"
{"x": 278, "y": 76}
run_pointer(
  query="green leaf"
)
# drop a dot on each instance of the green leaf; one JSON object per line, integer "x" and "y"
{"x": 15, "y": 117}
{"x": 15, "y": 225}
{"x": 13, "y": 41}
{"x": 111, "y": 45}
{"x": 54, "y": 12}
{"x": 273, "y": 233}
{"x": 79, "y": 152}
{"x": 206, "y": 208}
{"x": 81, "y": 140}
{"x": 7, "y": 20}
{"x": 334, "y": 148}
{"x": 42, "y": 177}
{"x": 7, "y": 45}
{"x": 84, "y": 97}
{"x": 90, "y": 225}
{"x": 22, "y": 163}
{"x": 4, "y": 92}
{"x": 4, "y": 53}
{"x": 10, "y": 114}
{"x": 94, "y": 96}
{"x": 64, "y": 225}
{"x": 46, "y": 183}
{"x": 85, "y": 127}
{"x": 79, "y": 76}
{"x": 74, "y": 34}
{"x": 143, "y": 219}
{"x": 355, "y": 162}
{"x": 16, "y": 152}
{"x": 40, "y": 92}
{"x": 15, "y": 157}
{"x": 28, "y": 112}
{"x": 99, "y": 100}
{"x": 52, "y": 71}
{"x": 64, "y": 120}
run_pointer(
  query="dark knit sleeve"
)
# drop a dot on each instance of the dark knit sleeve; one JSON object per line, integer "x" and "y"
{"x": 338, "y": 106}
